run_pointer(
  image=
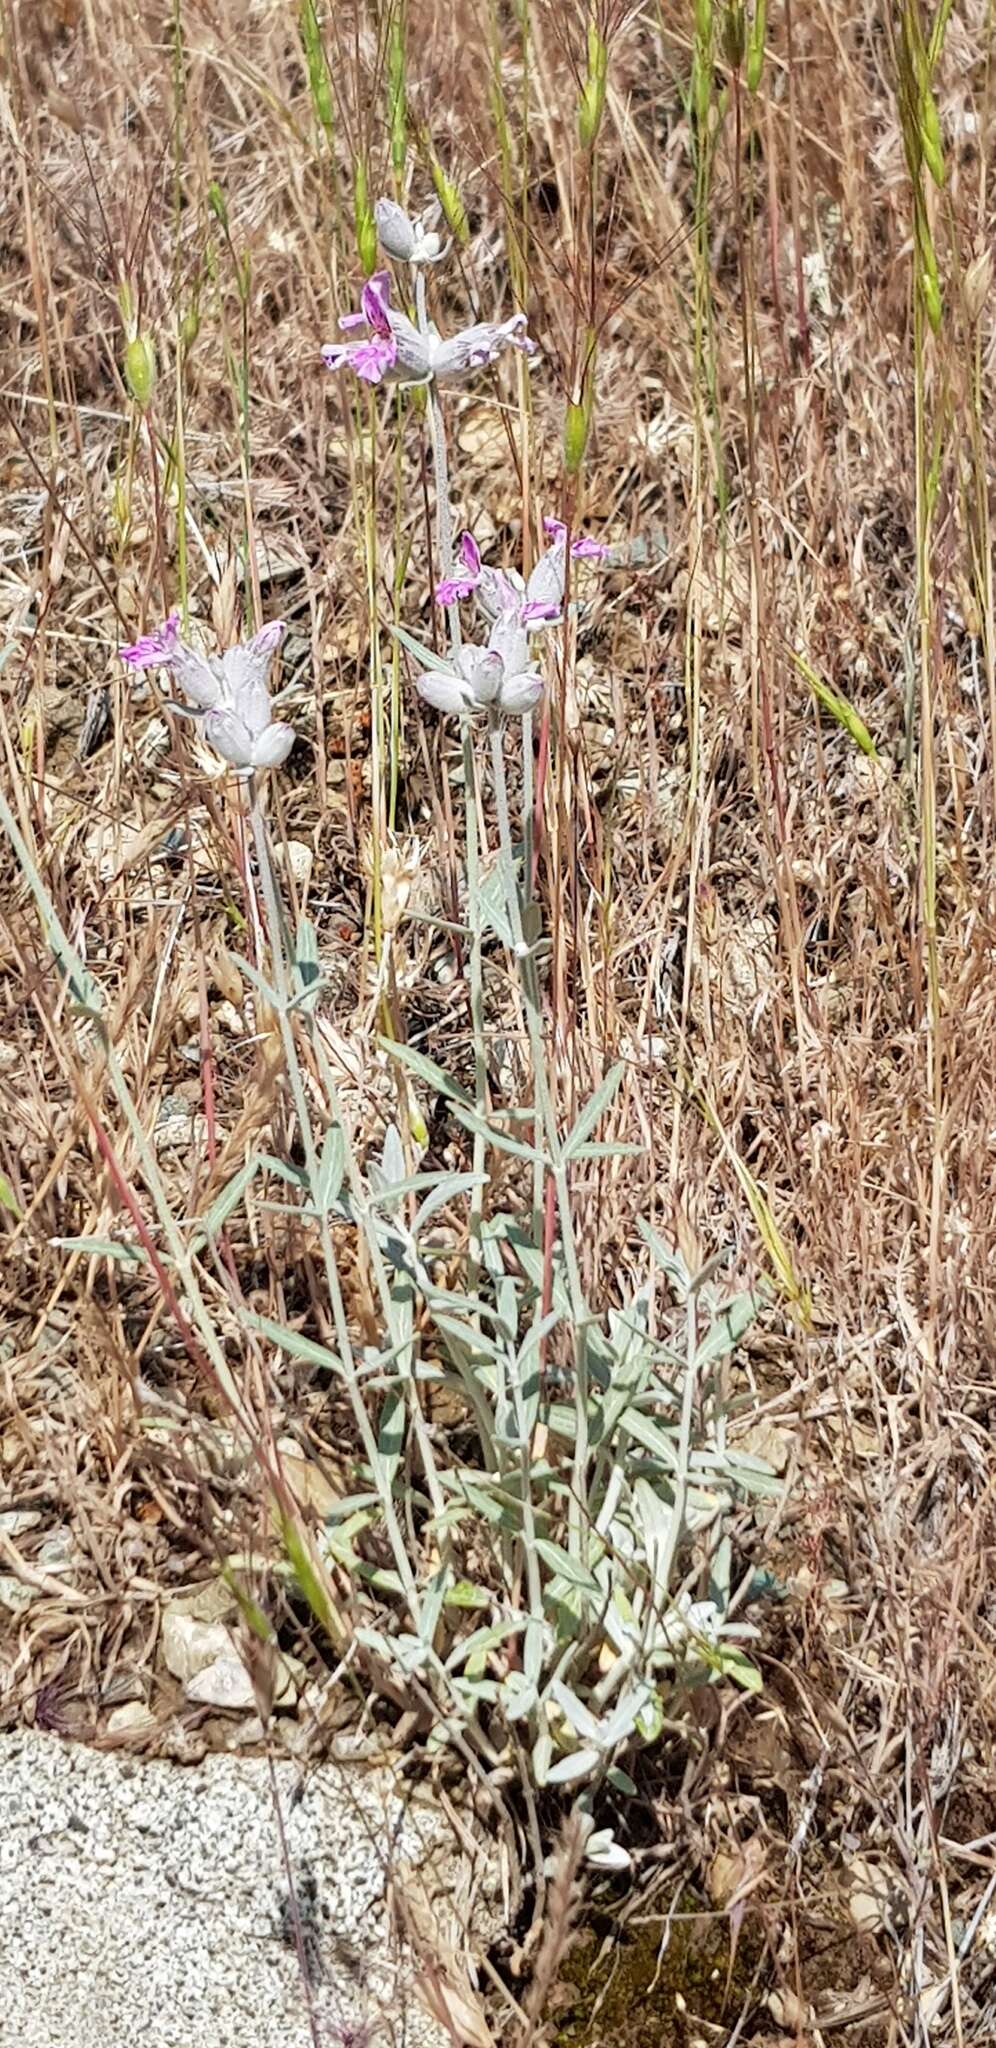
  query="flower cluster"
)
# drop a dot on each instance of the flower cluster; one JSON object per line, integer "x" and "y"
{"x": 228, "y": 691}
{"x": 498, "y": 678}
{"x": 502, "y": 592}
{"x": 393, "y": 348}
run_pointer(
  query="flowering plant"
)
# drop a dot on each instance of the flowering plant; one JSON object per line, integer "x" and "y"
{"x": 229, "y": 691}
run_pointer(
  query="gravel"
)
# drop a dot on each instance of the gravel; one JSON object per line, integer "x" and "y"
{"x": 147, "y": 1903}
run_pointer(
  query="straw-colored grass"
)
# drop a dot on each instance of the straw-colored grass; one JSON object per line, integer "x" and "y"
{"x": 765, "y": 869}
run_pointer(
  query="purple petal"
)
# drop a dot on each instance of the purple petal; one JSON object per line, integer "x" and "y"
{"x": 555, "y": 530}
{"x": 587, "y": 549}
{"x": 375, "y": 299}
{"x": 452, "y": 588}
{"x": 267, "y": 638}
{"x": 537, "y": 611}
{"x": 370, "y": 359}
{"x": 470, "y": 554}
{"x": 335, "y": 354}
{"x": 154, "y": 649}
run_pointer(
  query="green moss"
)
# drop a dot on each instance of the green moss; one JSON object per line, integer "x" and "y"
{"x": 612, "y": 2002}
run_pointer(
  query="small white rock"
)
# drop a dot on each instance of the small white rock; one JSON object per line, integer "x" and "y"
{"x": 132, "y": 1718}
{"x": 224, "y": 1683}
{"x": 189, "y": 1646}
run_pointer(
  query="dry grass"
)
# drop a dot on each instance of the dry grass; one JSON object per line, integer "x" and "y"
{"x": 738, "y": 898}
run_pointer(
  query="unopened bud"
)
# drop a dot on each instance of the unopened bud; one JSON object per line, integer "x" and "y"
{"x": 397, "y": 234}
{"x": 140, "y": 369}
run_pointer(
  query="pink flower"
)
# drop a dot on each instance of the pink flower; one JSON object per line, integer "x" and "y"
{"x": 501, "y": 592}
{"x": 396, "y": 349}
{"x": 497, "y": 678}
{"x": 374, "y": 357}
{"x": 230, "y": 691}
{"x": 450, "y": 588}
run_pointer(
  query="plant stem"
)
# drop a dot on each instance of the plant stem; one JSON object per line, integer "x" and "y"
{"x": 444, "y": 558}
{"x": 529, "y": 982}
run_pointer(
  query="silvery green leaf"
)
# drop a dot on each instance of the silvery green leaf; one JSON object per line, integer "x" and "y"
{"x": 603, "y": 1852}
{"x": 478, "y": 1643}
{"x": 671, "y": 1263}
{"x": 500, "y": 1139}
{"x": 258, "y": 980}
{"x": 224, "y": 1204}
{"x": 392, "y": 1162}
{"x": 582, "y": 1722}
{"x": 651, "y": 1438}
{"x": 621, "y": 1781}
{"x": 492, "y": 899}
{"x": 567, "y": 1769}
{"x": 432, "y": 1604}
{"x": 331, "y": 1168}
{"x": 656, "y": 1521}
{"x": 283, "y": 1168}
{"x": 518, "y": 1695}
{"x": 103, "y": 1248}
{"x": 426, "y": 655}
{"x": 448, "y": 1185}
{"x": 532, "y": 1650}
{"x": 391, "y": 1434}
{"x": 294, "y": 1344}
{"x": 542, "y": 1753}
{"x": 425, "y": 1069}
{"x": 593, "y": 1111}
{"x": 307, "y": 972}
{"x": 729, "y": 1325}
{"x": 565, "y": 1566}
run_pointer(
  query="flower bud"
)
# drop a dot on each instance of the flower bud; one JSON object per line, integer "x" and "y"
{"x": 140, "y": 369}
{"x": 397, "y": 235}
